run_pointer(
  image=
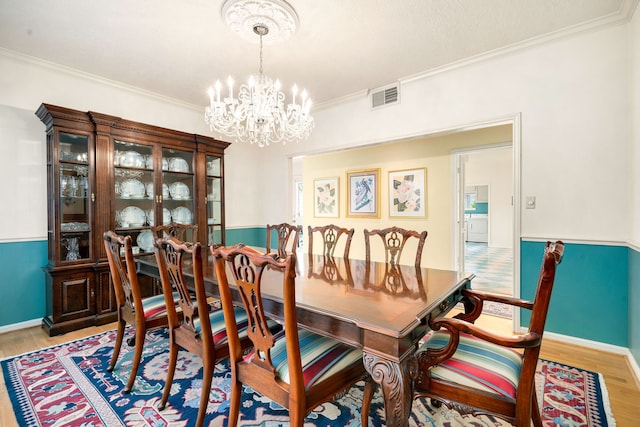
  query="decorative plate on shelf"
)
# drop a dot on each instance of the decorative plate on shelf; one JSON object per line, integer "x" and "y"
{"x": 165, "y": 191}
{"x": 182, "y": 215}
{"x": 148, "y": 161}
{"x": 149, "y": 187}
{"x": 165, "y": 164}
{"x": 178, "y": 164}
{"x": 132, "y": 159}
{"x": 166, "y": 217}
{"x": 132, "y": 216}
{"x": 179, "y": 191}
{"x": 145, "y": 241}
{"x": 132, "y": 188}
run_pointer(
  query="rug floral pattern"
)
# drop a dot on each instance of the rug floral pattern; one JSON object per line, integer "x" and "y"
{"x": 68, "y": 385}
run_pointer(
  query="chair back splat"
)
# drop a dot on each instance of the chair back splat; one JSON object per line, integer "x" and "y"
{"x": 394, "y": 240}
{"x": 279, "y": 365}
{"x": 330, "y": 235}
{"x": 183, "y": 232}
{"x": 286, "y": 240}
{"x": 499, "y": 371}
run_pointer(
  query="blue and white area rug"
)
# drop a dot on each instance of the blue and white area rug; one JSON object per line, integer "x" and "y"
{"x": 68, "y": 385}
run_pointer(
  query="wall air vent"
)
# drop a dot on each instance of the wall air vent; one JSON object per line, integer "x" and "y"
{"x": 385, "y": 96}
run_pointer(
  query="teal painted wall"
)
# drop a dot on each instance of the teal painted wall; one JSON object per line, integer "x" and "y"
{"x": 256, "y": 236}
{"x": 590, "y": 295}
{"x": 634, "y": 301}
{"x": 22, "y": 285}
{"x": 481, "y": 208}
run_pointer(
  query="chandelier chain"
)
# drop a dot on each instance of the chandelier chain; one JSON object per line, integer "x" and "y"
{"x": 261, "y": 54}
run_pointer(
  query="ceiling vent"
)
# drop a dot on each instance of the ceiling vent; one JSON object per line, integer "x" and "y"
{"x": 385, "y": 96}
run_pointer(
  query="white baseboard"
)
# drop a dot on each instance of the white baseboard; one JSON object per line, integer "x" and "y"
{"x": 20, "y": 325}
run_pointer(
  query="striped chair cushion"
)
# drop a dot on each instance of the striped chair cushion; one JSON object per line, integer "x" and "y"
{"x": 155, "y": 306}
{"x": 478, "y": 364}
{"x": 321, "y": 357}
{"x": 218, "y": 328}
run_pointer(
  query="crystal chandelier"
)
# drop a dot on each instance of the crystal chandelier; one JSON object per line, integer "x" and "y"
{"x": 258, "y": 115}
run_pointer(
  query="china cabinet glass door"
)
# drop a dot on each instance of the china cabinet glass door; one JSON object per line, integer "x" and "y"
{"x": 178, "y": 189}
{"x": 75, "y": 197}
{"x": 214, "y": 201}
{"x": 133, "y": 171}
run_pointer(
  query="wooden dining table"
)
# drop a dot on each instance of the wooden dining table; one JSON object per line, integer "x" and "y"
{"x": 383, "y": 309}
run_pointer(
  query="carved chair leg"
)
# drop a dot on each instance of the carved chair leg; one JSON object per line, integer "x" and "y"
{"x": 234, "y": 399}
{"x": 173, "y": 360}
{"x": 137, "y": 356}
{"x": 369, "y": 390}
{"x": 535, "y": 410}
{"x": 207, "y": 377}
{"x": 117, "y": 345}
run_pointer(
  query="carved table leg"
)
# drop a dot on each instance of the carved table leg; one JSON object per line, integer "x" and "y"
{"x": 396, "y": 381}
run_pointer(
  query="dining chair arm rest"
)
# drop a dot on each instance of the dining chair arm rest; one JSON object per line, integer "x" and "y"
{"x": 504, "y": 299}
{"x": 456, "y": 326}
{"x": 473, "y": 303}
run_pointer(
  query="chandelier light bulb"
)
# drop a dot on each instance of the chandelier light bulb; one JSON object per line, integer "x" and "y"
{"x": 230, "y": 83}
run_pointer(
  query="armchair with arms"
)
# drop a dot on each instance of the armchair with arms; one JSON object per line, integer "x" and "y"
{"x": 474, "y": 370}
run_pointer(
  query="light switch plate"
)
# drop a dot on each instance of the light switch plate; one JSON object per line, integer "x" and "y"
{"x": 531, "y": 202}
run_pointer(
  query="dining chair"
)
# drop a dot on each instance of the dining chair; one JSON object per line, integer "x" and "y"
{"x": 202, "y": 330}
{"x": 394, "y": 240}
{"x": 132, "y": 308}
{"x": 286, "y": 240}
{"x": 477, "y": 371}
{"x": 330, "y": 235}
{"x": 184, "y": 232}
{"x": 286, "y": 366}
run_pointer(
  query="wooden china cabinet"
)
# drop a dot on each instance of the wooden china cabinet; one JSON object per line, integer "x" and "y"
{"x": 107, "y": 173}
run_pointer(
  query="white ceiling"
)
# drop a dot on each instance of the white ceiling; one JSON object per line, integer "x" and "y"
{"x": 178, "y": 48}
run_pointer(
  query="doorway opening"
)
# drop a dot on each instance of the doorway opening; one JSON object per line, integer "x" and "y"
{"x": 486, "y": 178}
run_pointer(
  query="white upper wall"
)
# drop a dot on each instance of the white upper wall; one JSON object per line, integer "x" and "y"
{"x": 573, "y": 94}
{"x": 26, "y": 83}
{"x": 573, "y": 97}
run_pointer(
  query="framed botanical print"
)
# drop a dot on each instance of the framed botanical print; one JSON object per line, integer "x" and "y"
{"x": 326, "y": 198}
{"x": 408, "y": 193}
{"x": 363, "y": 193}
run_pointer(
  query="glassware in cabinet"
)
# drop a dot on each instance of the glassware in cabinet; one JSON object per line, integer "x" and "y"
{"x": 214, "y": 200}
{"x": 75, "y": 197}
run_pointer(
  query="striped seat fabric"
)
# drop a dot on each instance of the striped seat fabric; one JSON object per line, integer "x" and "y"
{"x": 219, "y": 331}
{"x": 154, "y": 306}
{"x": 218, "y": 328}
{"x": 321, "y": 357}
{"x": 478, "y": 364}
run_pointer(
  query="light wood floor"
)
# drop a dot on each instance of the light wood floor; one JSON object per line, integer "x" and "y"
{"x": 624, "y": 393}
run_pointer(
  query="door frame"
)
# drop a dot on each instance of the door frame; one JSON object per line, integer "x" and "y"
{"x": 457, "y": 157}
